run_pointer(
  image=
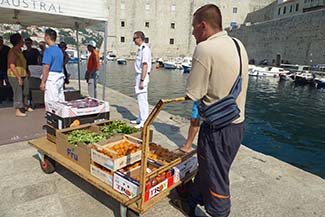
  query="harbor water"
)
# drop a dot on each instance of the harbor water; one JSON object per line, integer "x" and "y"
{"x": 283, "y": 120}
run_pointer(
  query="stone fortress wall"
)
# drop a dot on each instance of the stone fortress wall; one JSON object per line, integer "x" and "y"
{"x": 299, "y": 39}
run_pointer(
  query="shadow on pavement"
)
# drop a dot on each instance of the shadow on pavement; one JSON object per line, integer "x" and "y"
{"x": 89, "y": 189}
{"x": 126, "y": 114}
{"x": 172, "y": 132}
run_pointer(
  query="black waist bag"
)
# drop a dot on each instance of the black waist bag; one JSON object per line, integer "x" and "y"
{"x": 223, "y": 112}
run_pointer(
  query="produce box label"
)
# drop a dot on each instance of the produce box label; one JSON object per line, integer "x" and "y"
{"x": 184, "y": 168}
{"x": 101, "y": 175}
{"x": 125, "y": 185}
{"x": 78, "y": 107}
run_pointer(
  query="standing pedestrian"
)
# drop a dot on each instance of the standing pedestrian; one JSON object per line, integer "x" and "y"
{"x": 142, "y": 67}
{"x": 93, "y": 67}
{"x": 52, "y": 75}
{"x": 219, "y": 70}
{"x": 63, "y": 47}
{"x": 17, "y": 73}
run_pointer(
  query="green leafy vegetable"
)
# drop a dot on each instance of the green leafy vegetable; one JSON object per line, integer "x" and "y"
{"x": 117, "y": 126}
{"x": 85, "y": 137}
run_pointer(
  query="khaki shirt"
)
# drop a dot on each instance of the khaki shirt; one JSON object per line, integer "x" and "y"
{"x": 215, "y": 67}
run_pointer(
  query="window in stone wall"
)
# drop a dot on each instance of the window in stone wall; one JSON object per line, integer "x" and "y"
{"x": 146, "y": 24}
{"x": 173, "y": 7}
{"x": 122, "y": 23}
{"x": 297, "y": 7}
{"x": 234, "y": 10}
{"x": 284, "y": 9}
{"x": 291, "y": 8}
{"x": 148, "y": 6}
{"x": 146, "y": 40}
{"x": 171, "y": 41}
{"x": 279, "y": 11}
{"x": 172, "y": 25}
{"x": 122, "y": 39}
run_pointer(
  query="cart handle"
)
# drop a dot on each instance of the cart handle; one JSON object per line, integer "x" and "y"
{"x": 145, "y": 140}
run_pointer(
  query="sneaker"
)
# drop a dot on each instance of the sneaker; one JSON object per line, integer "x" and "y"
{"x": 29, "y": 109}
{"x": 140, "y": 125}
{"x": 136, "y": 121}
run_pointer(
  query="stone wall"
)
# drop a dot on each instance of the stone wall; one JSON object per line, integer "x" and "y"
{"x": 160, "y": 15}
{"x": 298, "y": 39}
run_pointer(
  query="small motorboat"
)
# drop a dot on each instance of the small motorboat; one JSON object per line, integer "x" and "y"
{"x": 170, "y": 65}
{"x": 121, "y": 61}
{"x": 305, "y": 77}
{"x": 187, "y": 64}
{"x": 319, "y": 82}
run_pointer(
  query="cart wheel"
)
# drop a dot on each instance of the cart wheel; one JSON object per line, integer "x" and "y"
{"x": 131, "y": 213}
{"x": 47, "y": 165}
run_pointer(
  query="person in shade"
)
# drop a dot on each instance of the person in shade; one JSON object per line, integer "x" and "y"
{"x": 219, "y": 61}
{"x": 93, "y": 67}
{"x": 63, "y": 47}
{"x": 52, "y": 75}
{"x": 4, "y": 50}
{"x": 17, "y": 73}
{"x": 142, "y": 66}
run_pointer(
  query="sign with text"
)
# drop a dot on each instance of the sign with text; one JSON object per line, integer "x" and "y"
{"x": 96, "y": 9}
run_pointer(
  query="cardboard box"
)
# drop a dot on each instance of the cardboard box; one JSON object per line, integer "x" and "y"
{"x": 126, "y": 184}
{"x": 81, "y": 154}
{"x": 71, "y": 94}
{"x": 61, "y": 123}
{"x": 77, "y": 108}
{"x": 185, "y": 168}
{"x": 116, "y": 162}
{"x": 101, "y": 174}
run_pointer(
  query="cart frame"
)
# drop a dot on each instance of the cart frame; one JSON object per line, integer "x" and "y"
{"x": 47, "y": 154}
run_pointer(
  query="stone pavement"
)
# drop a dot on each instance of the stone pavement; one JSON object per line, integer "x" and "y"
{"x": 261, "y": 185}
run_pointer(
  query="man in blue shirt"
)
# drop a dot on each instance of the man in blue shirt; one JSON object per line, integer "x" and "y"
{"x": 52, "y": 76}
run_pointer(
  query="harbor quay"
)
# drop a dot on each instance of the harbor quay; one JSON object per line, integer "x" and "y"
{"x": 260, "y": 185}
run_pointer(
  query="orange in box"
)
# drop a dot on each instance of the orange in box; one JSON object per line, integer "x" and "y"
{"x": 118, "y": 154}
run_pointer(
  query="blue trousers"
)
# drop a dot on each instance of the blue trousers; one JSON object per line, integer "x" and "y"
{"x": 216, "y": 151}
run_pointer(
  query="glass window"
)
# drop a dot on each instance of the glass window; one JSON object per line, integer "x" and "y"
{"x": 147, "y": 6}
{"x": 291, "y": 8}
{"x": 297, "y": 7}
{"x": 146, "y": 40}
{"x": 172, "y": 25}
{"x": 173, "y": 8}
{"x": 171, "y": 41}
{"x": 234, "y": 10}
{"x": 146, "y": 24}
{"x": 279, "y": 11}
{"x": 122, "y": 23}
{"x": 284, "y": 9}
{"x": 122, "y": 39}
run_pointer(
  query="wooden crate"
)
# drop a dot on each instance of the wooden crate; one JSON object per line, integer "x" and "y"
{"x": 114, "y": 162}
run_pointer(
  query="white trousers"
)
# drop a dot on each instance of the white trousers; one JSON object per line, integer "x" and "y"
{"x": 143, "y": 106}
{"x": 92, "y": 85}
{"x": 54, "y": 87}
{"x": 142, "y": 97}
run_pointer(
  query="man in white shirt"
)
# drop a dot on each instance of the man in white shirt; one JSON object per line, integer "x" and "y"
{"x": 142, "y": 67}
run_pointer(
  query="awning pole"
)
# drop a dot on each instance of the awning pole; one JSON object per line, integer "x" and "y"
{"x": 104, "y": 58}
{"x": 77, "y": 36}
